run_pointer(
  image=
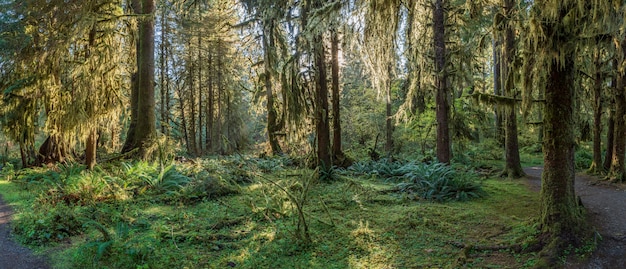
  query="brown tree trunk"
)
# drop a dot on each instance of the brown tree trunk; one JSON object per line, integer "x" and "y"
{"x": 561, "y": 216}
{"x": 513, "y": 166}
{"x": 192, "y": 107}
{"x": 619, "y": 145}
{"x": 321, "y": 104}
{"x": 596, "y": 164}
{"x": 162, "y": 87}
{"x": 91, "y": 149}
{"x": 334, "y": 48}
{"x": 130, "y": 142}
{"x": 220, "y": 91}
{"x": 210, "y": 108}
{"x": 444, "y": 151}
{"x": 610, "y": 132}
{"x": 388, "y": 114}
{"x": 497, "y": 90}
{"x": 145, "y": 119}
{"x": 183, "y": 119}
{"x": 53, "y": 150}
{"x": 272, "y": 117}
{"x": 619, "y": 129}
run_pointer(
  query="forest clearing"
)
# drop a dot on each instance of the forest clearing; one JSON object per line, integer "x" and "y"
{"x": 312, "y": 133}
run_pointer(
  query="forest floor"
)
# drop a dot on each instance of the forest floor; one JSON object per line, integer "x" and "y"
{"x": 12, "y": 254}
{"x": 605, "y": 203}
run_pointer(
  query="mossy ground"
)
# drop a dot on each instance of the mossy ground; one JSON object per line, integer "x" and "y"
{"x": 353, "y": 222}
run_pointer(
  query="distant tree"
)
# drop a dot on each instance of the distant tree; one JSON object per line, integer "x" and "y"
{"x": 513, "y": 166}
{"x": 442, "y": 99}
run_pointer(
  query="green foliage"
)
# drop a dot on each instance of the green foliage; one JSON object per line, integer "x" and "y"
{"x": 583, "y": 159}
{"x": 353, "y": 222}
{"x": 50, "y": 224}
{"x": 118, "y": 249}
{"x": 430, "y": 181}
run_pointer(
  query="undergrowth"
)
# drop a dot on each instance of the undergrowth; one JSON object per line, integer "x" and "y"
{"x": 248, "y": 212}
{"x": 420, "y": 180}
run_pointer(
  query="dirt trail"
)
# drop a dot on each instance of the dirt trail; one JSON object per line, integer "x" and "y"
{"x": 607, "y": 205}
{"x": 13, "y": 255}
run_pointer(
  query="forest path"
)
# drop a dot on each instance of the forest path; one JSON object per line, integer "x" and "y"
{"x": 607, "y": 205}
{"x": 12, "y": 254}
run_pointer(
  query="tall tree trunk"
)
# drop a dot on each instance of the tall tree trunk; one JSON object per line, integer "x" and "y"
{"x": 334, "y": 48}
{"x": 444, "y": 151}
{"x": 321, "y": 104}
{"x": 513, "y": 166}
{"x": 210, "y": 106}
{"x": 388, "y": 114}
{"x": 192, "y": 107}
{"x": 183, "y": 119}
{"x": 610, "y": 132}
{"x": 596, "y": 164}
{"x": 272, "y": 117}
{"x": 91, "y": 149}
{"x": 130, "y": 142}
{"x": 619, "y": 145}
{"x": 145, "y": 119}
{"x": 220, "y": 89}
{"x": 619, "y": 128}
{"x": 497, "y": 88}
{"x": 561, "y": 216}
{"x": 200, "y": 63}
{"x": 163, "y": 123}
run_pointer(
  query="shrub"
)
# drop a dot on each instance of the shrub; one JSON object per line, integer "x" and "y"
{"x": 56, "y": 224}
{"x": 431, "y": 181}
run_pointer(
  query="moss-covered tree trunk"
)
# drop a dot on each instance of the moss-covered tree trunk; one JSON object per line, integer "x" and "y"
{"x": 619, "y": 128}
{"x": 442, "y": 110}
{"x": 91, "y": 149}
{"x": 321, "y": 104}
{"x": 272, "y": 117}
{"x": 610, "y": 126}
{"x": 210, "y": 107}
{"x": 53, "y": 150}
{"x": 513, "y": 166}
{"x": 334, "y": 49}
{"x": 596, "y": 164}
{"x": 497, "y": 89}
{"x": 145, "y": 118}
{"x": 388, "y": 114}
{"x": 561, "y": 215}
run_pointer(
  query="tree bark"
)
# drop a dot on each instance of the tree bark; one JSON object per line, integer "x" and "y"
{"x": 91, "y": 149}
{"x": 321, "y": 104}
{"x": 444, "y": 151}
{"x": 619, "y": 145}
{"x": 145, "y": 118}
{"x": 513, "y": 166}
{"x": 561, "y": 216}
{"x": 192, "y": 105}
{"x": 596, "y": 164}
{"x": 610, "y": 132}
{"x": 53, "y": 150}
{"x": 210, "y": 106}
{"x": 388, "y": 114}
{"x": 162, "y": 87}
{"x": 497, "y": 89}
{"x": 334, "y": 47}
{"x": 272, "y": 117}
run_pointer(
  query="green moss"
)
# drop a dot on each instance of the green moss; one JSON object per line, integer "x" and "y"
{"x": 354, "y": 223}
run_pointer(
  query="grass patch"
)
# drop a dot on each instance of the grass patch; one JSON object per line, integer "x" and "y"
{"x": 354, "y": 221}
